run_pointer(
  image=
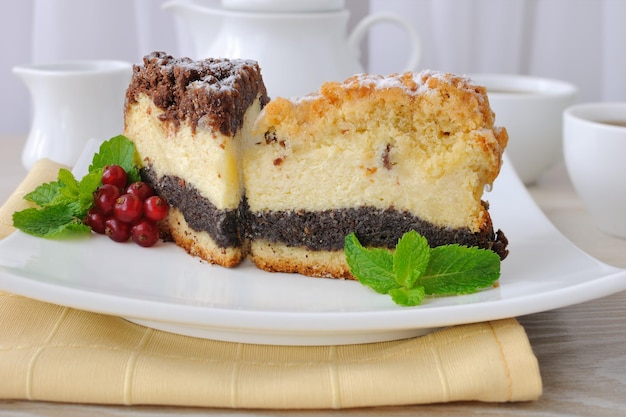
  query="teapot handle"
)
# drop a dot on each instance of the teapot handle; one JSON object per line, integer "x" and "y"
{"x": 363, "y": 26}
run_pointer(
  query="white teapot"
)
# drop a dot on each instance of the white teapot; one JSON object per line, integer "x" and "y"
{"x": 299, "y": 44}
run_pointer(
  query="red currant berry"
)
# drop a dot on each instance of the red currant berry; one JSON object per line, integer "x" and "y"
{"x": 117, "y": 230}
{"x": 140, "y": 189}
{"x": 95, "y": 219}
{"x": 155, "y": 208}
{"x": 128, "y": 208}
{"x": 105, "y": 197}
{"x": 115, "y": 175}
{"x": 145, "y": 233}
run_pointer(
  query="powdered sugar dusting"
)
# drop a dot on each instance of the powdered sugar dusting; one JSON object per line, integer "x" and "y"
{"x": 412, "y": 83}
{"x": 214, "y": 74}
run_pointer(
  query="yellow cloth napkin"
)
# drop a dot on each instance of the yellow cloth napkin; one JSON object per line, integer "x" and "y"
{"x": 55, "y": 353}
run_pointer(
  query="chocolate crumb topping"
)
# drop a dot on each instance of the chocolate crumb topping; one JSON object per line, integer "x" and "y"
{"x": 212, "y": 93}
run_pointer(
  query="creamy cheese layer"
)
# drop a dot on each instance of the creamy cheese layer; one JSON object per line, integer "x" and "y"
{"x": 207, "y": 160}
{"x": 426, "y": 148}
{"x": 382, "y": 170}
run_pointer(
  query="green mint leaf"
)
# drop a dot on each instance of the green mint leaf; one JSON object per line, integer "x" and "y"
{"x": 372, "y": 267}
{"x": 90, "y": 182}
{"x": 118, "y": 150}
{"x": 81, "y": 206}
{"x": 410, "y": 258}
{"x": 415, "y": 270}
{"x": 49, "y": 221}
{"x": 455, "y": 269}
{"x": 44, "y": 194}
{"x": 69, "y": 191}
{"x": 408, "y": 296}
{"x": 67, "y": 180}
{"x": 86, "y": 189}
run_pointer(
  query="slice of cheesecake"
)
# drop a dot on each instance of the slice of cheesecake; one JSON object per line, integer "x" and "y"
{"x": 374, "y": 155}
{"x": 188, "y": 120}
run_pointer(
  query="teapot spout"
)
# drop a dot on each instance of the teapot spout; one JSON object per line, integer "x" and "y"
{"x": 202, "y": 22}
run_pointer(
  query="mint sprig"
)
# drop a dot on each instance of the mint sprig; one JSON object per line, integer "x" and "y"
{"x": 64, "y": 203}
{"x": 118, "y": 150}
{"x": 414, "y": 270}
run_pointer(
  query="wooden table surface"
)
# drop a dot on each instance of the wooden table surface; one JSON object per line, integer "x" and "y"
{"x": 581, "y": 349}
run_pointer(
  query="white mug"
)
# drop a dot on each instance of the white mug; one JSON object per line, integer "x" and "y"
{"x": 531, "y": 110}
{"x": 594, "y": 147}
{"x": 73, "y": 102}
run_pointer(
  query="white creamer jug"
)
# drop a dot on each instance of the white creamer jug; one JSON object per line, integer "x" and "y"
{"x": 299, "y": 44}
{"x": 73, "y": 102}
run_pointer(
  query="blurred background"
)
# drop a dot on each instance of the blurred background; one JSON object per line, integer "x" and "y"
{"x": 580, "y": 41}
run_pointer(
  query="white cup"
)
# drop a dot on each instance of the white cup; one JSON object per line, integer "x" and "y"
{"x": 594, "y": 147}
{"x": 73, "y": 102}
{"x": 531, "y": 110}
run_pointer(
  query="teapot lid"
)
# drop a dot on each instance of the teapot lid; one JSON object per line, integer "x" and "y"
{"x": 286, "y": 6}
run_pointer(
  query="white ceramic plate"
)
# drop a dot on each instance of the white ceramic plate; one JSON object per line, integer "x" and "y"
{"x": 164, "y": 288}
